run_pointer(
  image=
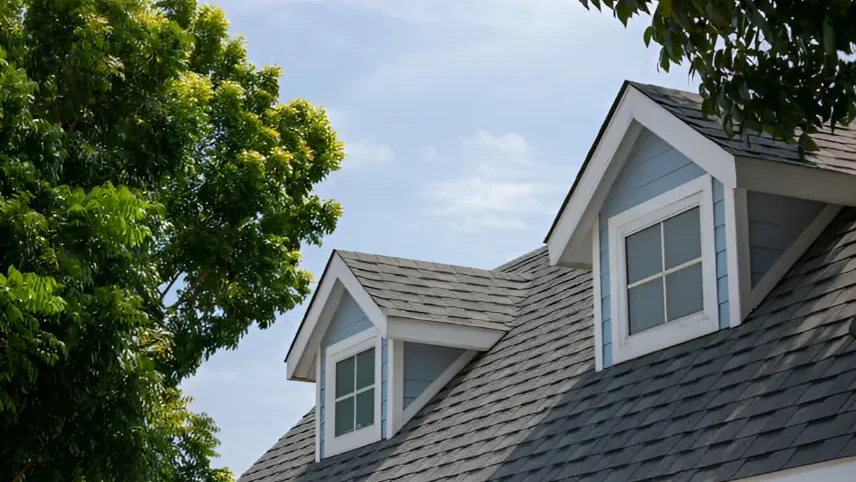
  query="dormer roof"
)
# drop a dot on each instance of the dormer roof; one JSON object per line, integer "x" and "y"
{"x": 437, "y": 292}
{"x": 412, "y": 300}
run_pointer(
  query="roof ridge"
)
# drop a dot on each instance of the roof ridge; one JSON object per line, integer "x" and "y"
{"x": 392, "y": 260}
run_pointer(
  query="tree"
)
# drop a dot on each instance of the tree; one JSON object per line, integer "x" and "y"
{"x": 141, "y": 154}
{"x": 782, "y": 68}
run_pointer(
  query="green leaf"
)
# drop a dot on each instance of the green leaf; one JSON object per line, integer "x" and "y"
{"x": 664, "y": 8}
{"x": 649, "y": 32}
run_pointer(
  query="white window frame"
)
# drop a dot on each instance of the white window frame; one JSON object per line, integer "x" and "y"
{"x": 696, "y": 193}
{"x": 347, "y": 348}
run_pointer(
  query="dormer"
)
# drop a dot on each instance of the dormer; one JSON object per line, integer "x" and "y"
{"x": 382, "y": 336}
{"x": 686, "y": 231}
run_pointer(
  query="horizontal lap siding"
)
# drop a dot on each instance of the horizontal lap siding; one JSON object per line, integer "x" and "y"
{"x": 653, "y": 168}
{"x": 422, "y": 365}
{"x": 721, "y": 257}
{"x": 774, "y": 223}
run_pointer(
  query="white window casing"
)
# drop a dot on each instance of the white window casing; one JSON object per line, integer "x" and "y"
{"x": 694, "y": 194}
{"x": 342, "y": 350}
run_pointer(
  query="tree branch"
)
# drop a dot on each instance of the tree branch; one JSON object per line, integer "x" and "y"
{"x": 29, "y": 466}
{"x": 191, "y": 292}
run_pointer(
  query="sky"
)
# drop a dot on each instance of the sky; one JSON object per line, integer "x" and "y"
{"x": 464, "y": 123}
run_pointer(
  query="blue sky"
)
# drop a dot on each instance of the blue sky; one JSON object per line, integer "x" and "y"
{"x": 465, "y": 124}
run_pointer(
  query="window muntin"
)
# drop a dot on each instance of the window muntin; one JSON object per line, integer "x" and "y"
{"x": 664, "y": 275}
{"x": 354, "y": 397}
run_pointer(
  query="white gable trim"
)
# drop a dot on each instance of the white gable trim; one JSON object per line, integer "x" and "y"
{"x": 840, "y": 470}
{"x": 336, "y": 280}
{"x": 568, "y": 243}
{"x": 792, "y": 254}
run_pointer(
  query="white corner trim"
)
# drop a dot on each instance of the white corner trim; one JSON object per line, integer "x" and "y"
{"x": 435, "y": 386}
{"x": 839, "y": 470}
{"x": 737, "y": 255}
{"x": 337, "y": 279}
{"x": 696, "y": 193}
{"x": 318, "y": 405}
{"x": 794, "y": 180}
{"x": 567, "y": 243}
{"x": 598, "y": 309}
{"x": 792, "y": 254}
{"x": 395, "y": 400}
{"x": 347, "y": 348}
{"x": 444, "y": 334}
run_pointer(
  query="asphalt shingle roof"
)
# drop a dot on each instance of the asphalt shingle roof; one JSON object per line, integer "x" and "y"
{"x": 777, "y": 392}
{"x": 837, "y": 149}
{"x": 439, "y": 292}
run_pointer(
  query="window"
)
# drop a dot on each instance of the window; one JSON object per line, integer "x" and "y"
{"x": 352, "y": 392}
{"x": 664, "y": 280}
{"x": 355, "y": 392}
{"x": 662, "y": 271}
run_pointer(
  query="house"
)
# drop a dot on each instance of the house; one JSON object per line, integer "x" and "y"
{"x": 687, "y": 320}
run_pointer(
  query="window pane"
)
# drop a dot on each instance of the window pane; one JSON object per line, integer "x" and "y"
{"x": 365, "y": 368}
{"x": 643, "y": 254}
{"x": 344, "y": 416}
{"x": 365, "y": 408}
{"x": 645, "y": 305}
{"x": 684, "y": 292}
{"x": 682, "y": 234}
{"x": 344, "y": 377}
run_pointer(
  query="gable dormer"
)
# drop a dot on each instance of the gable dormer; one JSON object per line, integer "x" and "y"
{"x": 382, "y": 336}
{"x": 685, "y": 230}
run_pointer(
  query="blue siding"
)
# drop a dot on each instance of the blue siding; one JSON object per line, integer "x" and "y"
{"x": 774, "y": 223}
{"x": 653, "y": 168}
{"x": 721, "y": 257}
{"x": 422, "y": 365}
{"x": 348, "y": 320}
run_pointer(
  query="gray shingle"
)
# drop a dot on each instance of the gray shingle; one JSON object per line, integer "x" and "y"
{"x": 776, "y": 392}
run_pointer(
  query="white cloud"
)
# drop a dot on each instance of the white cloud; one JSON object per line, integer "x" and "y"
{"x": 363, "y": 154}
{"x": 499, "y": 189}
{"x": 429, "y": 154}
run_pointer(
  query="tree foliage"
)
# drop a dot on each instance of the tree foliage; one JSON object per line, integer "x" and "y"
{"x": 783, "y": 68}
{"x": 154, "y": 197}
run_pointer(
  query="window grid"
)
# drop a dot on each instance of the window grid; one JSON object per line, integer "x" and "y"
{"x": 664, "y": 272}
{"x": 353, "y": 394}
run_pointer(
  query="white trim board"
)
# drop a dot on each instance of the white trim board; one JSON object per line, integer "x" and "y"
{"x": 597, "y": 301}
{"x": 567, "y": 243}
{"x": 443, "y": 334}
{"x": 840, "y": 470}
{"x": 625, "y": 346}
{"x": 791, "y": 255}
{"x": 794, "y": 180}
